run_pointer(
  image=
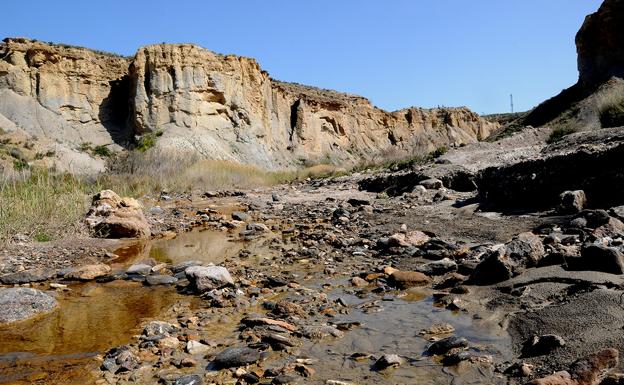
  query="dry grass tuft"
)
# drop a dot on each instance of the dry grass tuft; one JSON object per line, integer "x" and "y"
{"x": 41, "y": 205}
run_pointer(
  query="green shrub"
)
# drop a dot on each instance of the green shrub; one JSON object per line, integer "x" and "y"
{"x": 439, "y": 152}
{"x": 85, "y": 147}
{"x": 148, "y": 140}
{"x": 43, "y": 237}
{"x": 559, "y": 133}
{"x": 612, "y": 115}
{"x": 102, "y": 151}
{"x": 20, "y": 165}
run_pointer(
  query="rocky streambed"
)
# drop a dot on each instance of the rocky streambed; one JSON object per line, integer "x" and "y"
{"x": 322, "y": 283}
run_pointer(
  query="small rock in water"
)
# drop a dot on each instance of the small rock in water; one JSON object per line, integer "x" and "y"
{"x": 240, "y": 216}
{"x": 407, "y": 279}
{"x": 139, "y": 268}
{"x": 455, "y": 358}
{"x": 89, "y": 272}
{"x": 156, "y": 328}
{"x": 235, "y": 357}
{"x": 388, "y": 360}
{"x": 191, "y": 379}
{"x": 284, "y": 379}
{"x": 437, "y": 329}
{"x": 208, "y": 277}
{"x": 154, "y": 280}
{"x": 446, "y": 344}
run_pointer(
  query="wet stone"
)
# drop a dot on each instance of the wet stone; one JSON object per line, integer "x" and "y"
{"x": 455, "y": 358}
{"x": 156, "y": 328}
{"x": 154, "y": 280}
{"x": 191, "y": 379}
{"x": 240, "y": 216}
{"x": 33, "y": 275}
{"x": 387, "y": 361}
{"x": 235, "y": 357}
{"x": 22, "y": 303}
{"x": 208, "y": 277}
{"x": 284, "y": 379}
{"x": 444, "y": 345}
{"x": 140, "y": 269}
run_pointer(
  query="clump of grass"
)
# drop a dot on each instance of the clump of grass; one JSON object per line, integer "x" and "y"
{"x": 20, "y": 165}
{"x": 148, "y": 140}
{"x": 612, "y": 115}
{"x": 438, "y": 152}
{"x": 559, "y": 133}
{"x": 41, "y": 205}
{"x": 102, "y": 151}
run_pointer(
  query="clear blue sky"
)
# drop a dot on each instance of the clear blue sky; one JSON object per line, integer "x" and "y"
{"x": 395, "y": 52}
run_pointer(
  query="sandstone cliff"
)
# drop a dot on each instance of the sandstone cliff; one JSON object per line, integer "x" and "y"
{"x": 222, "y": 107}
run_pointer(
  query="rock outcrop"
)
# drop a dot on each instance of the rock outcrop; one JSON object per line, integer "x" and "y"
{"x": 599, "y": 45}
{"x": 583, "y": 161}
{"x": 220, "y": 107}
{"x": 600, "y": 60}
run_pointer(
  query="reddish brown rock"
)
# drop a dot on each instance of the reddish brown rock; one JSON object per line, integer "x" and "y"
{"x": 407, "y": 279}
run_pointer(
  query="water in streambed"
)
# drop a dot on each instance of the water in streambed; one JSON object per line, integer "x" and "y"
{"x": 93, "y": 317}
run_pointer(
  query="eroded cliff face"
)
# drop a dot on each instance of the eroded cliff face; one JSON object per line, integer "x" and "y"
{"x": 599, "y": 45}
{"x": 79, "y": 94}
{"x": 221, "y": 107}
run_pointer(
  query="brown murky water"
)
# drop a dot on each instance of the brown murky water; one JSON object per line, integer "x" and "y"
{"x": 91, "y": 318}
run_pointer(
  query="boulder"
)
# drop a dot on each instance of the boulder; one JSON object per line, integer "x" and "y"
{"x": 495, "y": 267}
{"x": 446, "y": 344}
{"x": 596, "y": 257}
{"x": 19, "y": 304}
{"x": 89, "y": 272}
{"x": 571, "y": 202}
{"x": 388, "y": 360}
{"x": 540, "y": 345}
{"x": 111, "y": 216}
{"x": 588, "y": 370}
{"x": 585, "y": 371}
{"x": 431, "y": 184}
{"x": 526, "y": 249}
{"x": 208, "y": 277}
{"x": 235, "y": 357}
{"x": 407, "y": 279}
{"x": 412, "y": 238}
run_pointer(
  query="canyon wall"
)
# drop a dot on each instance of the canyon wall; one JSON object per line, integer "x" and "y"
{"x": 221, "y": 107}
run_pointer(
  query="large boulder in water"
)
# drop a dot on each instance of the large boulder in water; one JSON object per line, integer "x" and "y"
{"x": 206, "y": 278}
{"x": 111, "y": 216}
{"x": 21, "y": 303}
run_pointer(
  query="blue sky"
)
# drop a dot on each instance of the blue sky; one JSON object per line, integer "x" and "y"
{"x": 397, "y": 53}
